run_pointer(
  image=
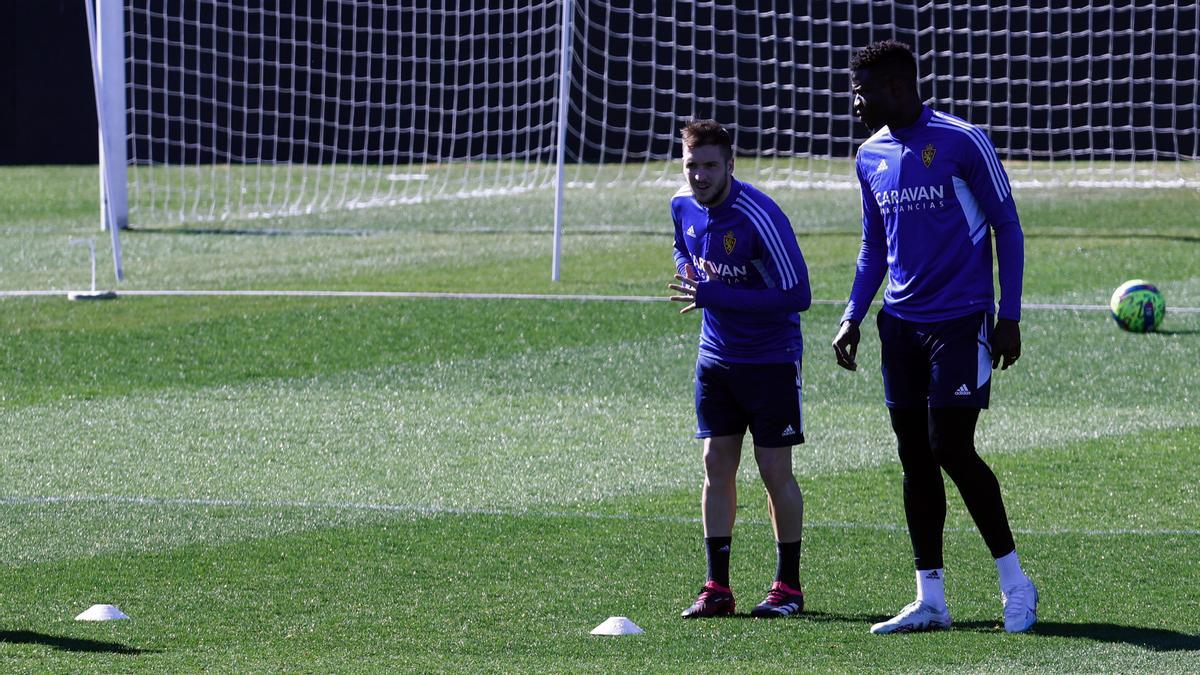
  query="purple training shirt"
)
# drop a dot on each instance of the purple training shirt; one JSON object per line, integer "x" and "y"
{"x": 753, "y": 279}
{"x": 930, "y": 193}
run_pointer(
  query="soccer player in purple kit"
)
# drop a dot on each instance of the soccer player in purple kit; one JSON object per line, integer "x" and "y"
{"x": 737, "y": 259}
{"x": 932, "y": 186}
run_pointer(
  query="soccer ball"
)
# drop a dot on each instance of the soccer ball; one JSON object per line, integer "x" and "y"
{"x": 1137, "y": 306}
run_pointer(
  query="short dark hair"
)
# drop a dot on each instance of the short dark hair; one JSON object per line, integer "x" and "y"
{"x": 890, "y": 56}
{"x": 696, "y": 133}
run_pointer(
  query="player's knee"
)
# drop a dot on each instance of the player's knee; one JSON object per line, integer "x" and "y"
{"x": 951, "y": 450}
{"x": 952, "y": 438}
{"x": 775, "y": 468}
{"x": 912, "y": 437}
{"x": 923, "y": 479}
{"x": 916, "y": 456}
{"x": 957, "y": 459}
{"x": 719, "y": 468}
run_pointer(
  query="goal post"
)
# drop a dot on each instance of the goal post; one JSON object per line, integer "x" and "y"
{"x": 564, "y": 86}
{"x": 106, "y": 43}
{"x": 248, "y": 112}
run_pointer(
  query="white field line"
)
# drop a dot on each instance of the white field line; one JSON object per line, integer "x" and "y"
{"x": 567, "y": 297}
{"x": 431, "y": 511}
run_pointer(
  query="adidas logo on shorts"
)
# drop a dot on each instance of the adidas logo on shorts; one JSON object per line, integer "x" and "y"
{"x": 789, "y": 431}
{"x": 962, "y": 390}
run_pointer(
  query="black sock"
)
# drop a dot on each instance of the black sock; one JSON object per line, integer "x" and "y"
{"x": 788, "y": 568}
{"x": 717, "y": 549}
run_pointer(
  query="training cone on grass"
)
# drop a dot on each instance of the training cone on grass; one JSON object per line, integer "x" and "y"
{"x": 101, "y": 613}
{"x": 617, "y": 625}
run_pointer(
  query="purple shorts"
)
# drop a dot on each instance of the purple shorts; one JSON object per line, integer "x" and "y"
{"x": 762, "y": 397}
{"x": 941, "y": 364}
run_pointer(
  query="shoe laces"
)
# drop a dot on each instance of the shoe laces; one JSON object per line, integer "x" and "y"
{"x": 778, "y": 595}
{"x": 1014, "y": 600}
{"x": 708, "y": 593}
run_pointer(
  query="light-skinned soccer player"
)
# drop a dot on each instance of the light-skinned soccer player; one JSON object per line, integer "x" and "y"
{"x": 736, "y": 258}
{"x": 933, "y": 195}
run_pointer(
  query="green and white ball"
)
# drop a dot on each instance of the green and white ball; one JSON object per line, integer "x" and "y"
{"x": 1137, "y": 306}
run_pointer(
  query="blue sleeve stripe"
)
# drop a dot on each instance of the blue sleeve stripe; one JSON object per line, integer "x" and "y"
{"x": 942, "y": 121}
{"x": 770, "y": 236}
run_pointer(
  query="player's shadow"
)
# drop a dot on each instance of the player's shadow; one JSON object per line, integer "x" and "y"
{"x": 68, "y": 644}
{"x": 1154, "y": 639}
{"x": 1190, "y": 331}
{"x": 818, "y": 615}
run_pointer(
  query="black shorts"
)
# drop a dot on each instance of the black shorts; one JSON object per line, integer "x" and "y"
{"x": 940, "y": 364}
{"x": 762, "y": 397}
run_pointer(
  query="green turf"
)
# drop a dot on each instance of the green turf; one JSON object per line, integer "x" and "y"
{"x": 1081, "y": 243}
{"x": 366, "y": 484}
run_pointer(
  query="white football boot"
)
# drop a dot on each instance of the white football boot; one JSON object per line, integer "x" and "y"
{"x": 1020, "y": 606}
{"x": 916, "y": 616}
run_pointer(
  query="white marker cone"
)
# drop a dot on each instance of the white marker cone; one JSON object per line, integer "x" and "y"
{"x": 617, "y": 625}
{"x": 101, "y": 613}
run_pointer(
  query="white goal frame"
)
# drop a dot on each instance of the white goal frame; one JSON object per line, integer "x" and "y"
{"x": 775, "y": 77}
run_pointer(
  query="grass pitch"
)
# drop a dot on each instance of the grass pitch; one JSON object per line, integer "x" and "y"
{"x": 366, "y": 484}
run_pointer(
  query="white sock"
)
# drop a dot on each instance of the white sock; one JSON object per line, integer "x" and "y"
{"x": 931, "y": 588}
{"x": 1009, "y": 567}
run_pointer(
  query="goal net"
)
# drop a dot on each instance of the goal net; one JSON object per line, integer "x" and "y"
{"x": 250, "y": 110}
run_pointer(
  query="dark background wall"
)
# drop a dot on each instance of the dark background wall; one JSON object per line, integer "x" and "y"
{"x": 48, "y": 111}
{"x": 1145, "y": 94}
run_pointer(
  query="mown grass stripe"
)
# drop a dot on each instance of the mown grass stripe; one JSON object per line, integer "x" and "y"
{"x": 427, "y": 510}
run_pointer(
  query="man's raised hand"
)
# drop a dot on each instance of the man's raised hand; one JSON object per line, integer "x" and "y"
{"x": 687, "y": 287}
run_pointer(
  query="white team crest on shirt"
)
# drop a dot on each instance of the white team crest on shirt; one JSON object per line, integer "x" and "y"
{"x": 882, "y": 166}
